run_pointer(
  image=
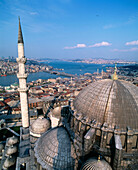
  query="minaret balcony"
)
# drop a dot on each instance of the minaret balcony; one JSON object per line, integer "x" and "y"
{"x": 23, "y": 89}
{"x": 22, "y": 76}
{"x": 21, "y": 60}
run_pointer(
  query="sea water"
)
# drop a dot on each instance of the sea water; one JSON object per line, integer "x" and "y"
{"x": 68, "y": 67}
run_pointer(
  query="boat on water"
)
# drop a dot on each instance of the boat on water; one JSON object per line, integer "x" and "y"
{"x": 3, "y": 75}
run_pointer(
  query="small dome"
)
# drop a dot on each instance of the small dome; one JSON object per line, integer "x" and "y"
{"x": 9, "y": 162}
{"x": 12, "y": 140}
{"x": 54, "y": 150}
{"x": 11, "y": 150}
{"x": 113, "y": 102}
{"x": 96, "y": 164}
{"x": 56, "y": 112}
{"x": 39, "y": 126}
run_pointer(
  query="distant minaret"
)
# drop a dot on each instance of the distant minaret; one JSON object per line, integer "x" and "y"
{"x": 71, "y": 80}
{"x": 115, "y": 74}
{"x": 22, "y": 76}
{"x": 97, "y": 71}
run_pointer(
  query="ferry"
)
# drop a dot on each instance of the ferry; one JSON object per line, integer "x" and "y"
{"x": 3, "y": 75}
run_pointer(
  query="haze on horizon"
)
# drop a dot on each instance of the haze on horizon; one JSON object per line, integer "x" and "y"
{"x": 71, "y": 29}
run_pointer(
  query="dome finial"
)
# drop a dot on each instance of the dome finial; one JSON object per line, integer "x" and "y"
{"x": 115, "y": 74}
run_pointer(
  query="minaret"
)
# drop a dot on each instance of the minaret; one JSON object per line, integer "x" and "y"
{"x": 22, "y": 76}
{"x": 102, "y": 73}
{"x": 115, "y": 74}
{"x": 97, "y": 71}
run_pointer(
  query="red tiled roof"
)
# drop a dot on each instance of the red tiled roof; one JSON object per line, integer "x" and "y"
{"x": 7, "y": 100}
{"x": 2, "y": 104}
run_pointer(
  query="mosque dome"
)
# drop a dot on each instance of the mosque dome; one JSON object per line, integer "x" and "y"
{"x": 12, "y": 140}
{"x": 10, "y": 161}
{"x": 54, "y": 150}
{"x": 112, "y": 101}
{"x": 39, "y": 126}
{"x": 96, "y": 164}
{"x": 11, "y": 150}
{"x": 56, "y": 112}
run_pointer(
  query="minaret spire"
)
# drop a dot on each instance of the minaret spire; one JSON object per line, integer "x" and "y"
{"x": 22, "y": 76}
{"x": 20, "y": 36}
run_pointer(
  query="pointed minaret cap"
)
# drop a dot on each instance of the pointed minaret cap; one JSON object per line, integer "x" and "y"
{"x": 20, "y": 36}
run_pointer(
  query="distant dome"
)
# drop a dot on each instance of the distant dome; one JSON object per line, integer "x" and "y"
{"x": 95, "y": 164}
{"x": 54, "y": 150}
{"x": 113, "y": 102}
{"x": 39, "y": 126}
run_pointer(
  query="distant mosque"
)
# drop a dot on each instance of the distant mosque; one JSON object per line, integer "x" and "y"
{"x": 96, "y": 131}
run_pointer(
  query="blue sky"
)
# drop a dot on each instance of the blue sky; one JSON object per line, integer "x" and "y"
{"x": 68, "y": 29}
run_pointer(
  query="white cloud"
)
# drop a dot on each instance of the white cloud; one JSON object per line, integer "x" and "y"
{"x": 125, "y": 50}
{"x": 101, "y": 44}
{"x": 33, "y": 13}
{"x": 132, "y": 43}
{"x": 80, "y": 46}
{"x": 77, "y": 46}
{"x": 95, "y": 45}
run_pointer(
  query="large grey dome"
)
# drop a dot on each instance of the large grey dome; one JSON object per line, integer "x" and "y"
{"x": 54, "y": 150}
{"x": 113, "y": 102}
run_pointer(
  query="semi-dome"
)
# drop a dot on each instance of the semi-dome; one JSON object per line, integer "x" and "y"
{"x": 54, "y": 150}
{"x": 95, "y": 164}
{"x": 110, "y": 101}
{"x": 39, "y": 126}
